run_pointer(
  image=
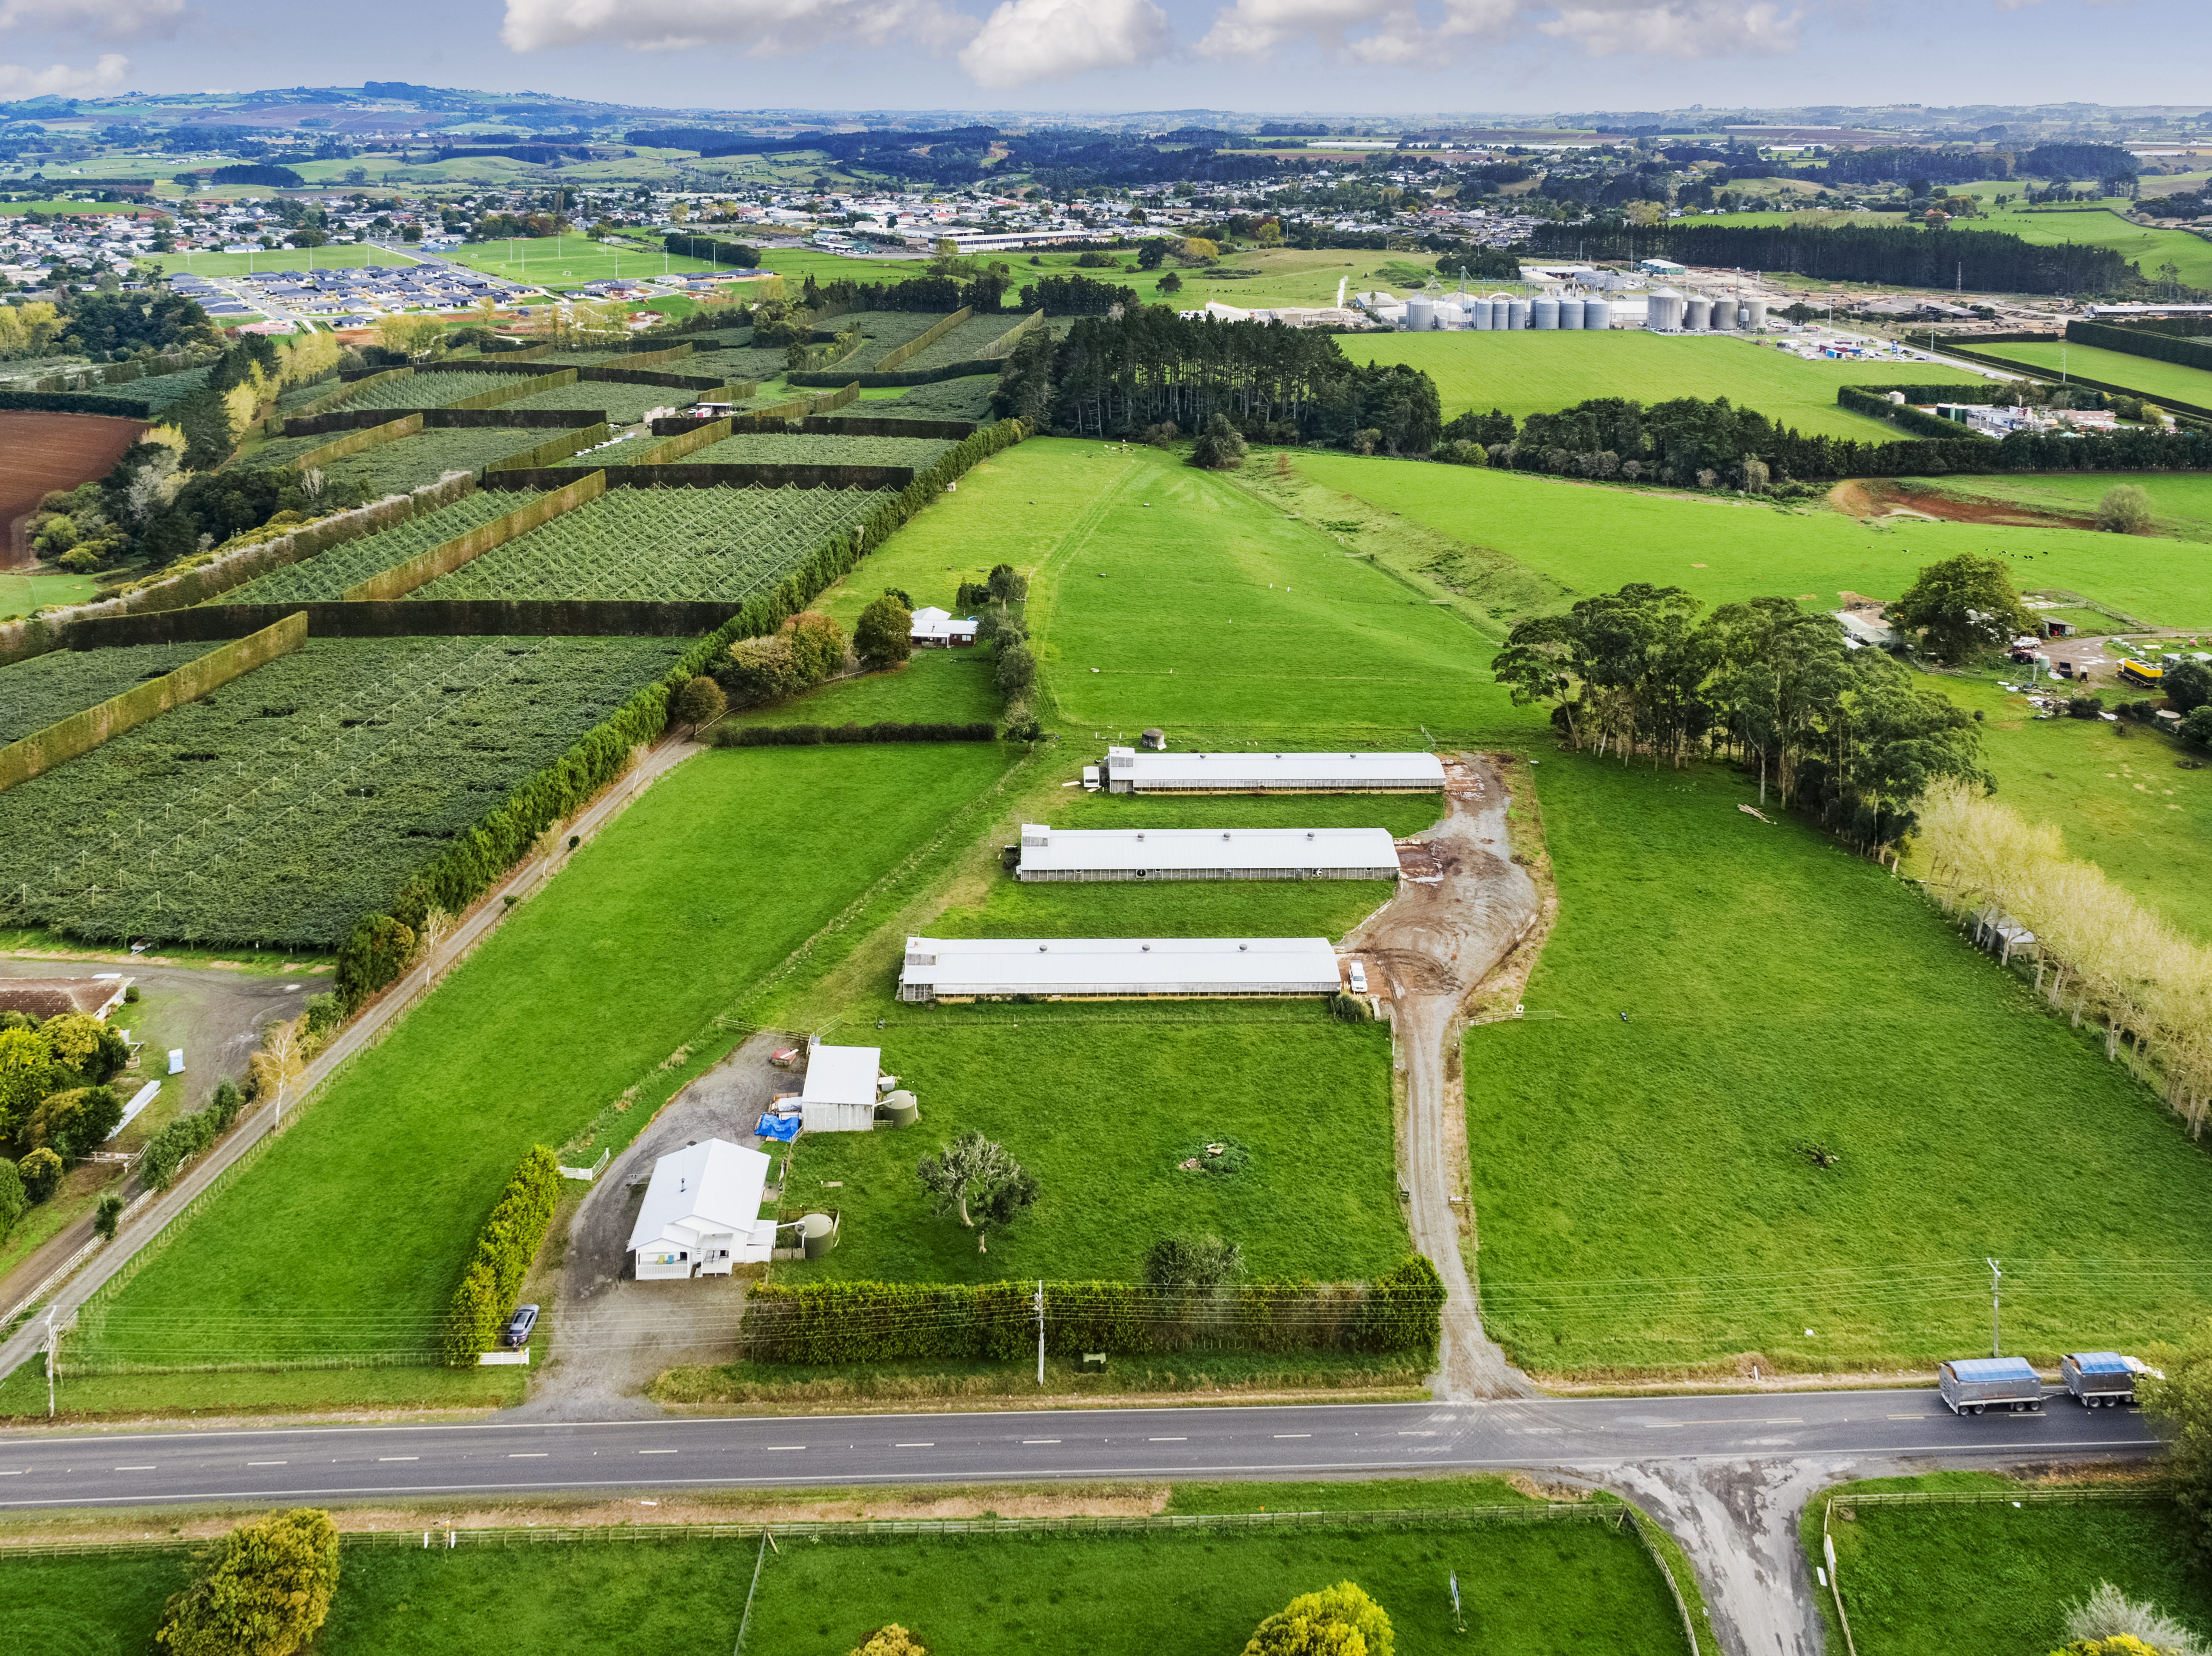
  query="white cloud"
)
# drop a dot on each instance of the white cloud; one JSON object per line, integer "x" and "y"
{"x": 1677, "y": 28}
{"x": 112, "y": 19}
{"x": 1255, "y": 28}
{"x": 61, "y": 81}
{"x": 1026, "y": 40}
{"x": 766, "y": 28}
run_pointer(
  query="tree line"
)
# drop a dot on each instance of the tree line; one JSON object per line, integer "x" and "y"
{"x": 1120, "y": 375}
{"x": 1900, "y": 256}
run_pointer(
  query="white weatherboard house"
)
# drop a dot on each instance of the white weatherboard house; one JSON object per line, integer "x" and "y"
{"x": 1131, "y": 770}
{"x": 840, "y": 1090}
{"x": 1243, "y": 853}
{"x": 702, "y": 1214}
{"x": 937, "y": 628}
{"x": 938, "y": 966}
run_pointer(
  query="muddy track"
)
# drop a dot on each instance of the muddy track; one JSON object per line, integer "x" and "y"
{"x": 1460, "y": 908}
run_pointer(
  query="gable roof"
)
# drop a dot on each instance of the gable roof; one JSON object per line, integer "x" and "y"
{"x": 713, "y": 1186}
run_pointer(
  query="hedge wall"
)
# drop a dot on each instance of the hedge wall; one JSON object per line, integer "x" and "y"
{"x": 388, "y": 430}
{"x": 414, "y": 618}
{"x": 889, "y": 1322}
{"x": 899, "y": 355}
{"x": 446, "y": 556}
{"x": 814, "y": 735}
{"x": 2159, "y": 346}
{"x": 736, "y": 474}
{"x": 62, "y": 401}
{"x": 510, "y": 1239}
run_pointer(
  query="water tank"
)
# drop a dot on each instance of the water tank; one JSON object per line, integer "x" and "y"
{"x": 1544, "y": 312}
{"x": 1596, "y": 313}
{"x": 1696, "y": 313}
{"x": 1517, "y": 313}
{"x": 817, "y": 1235}
{"x": 1666, "y": 309}
{"x": 1420, "y": 314}
{"x": 900, "y": 1109}
{"x": 1570, "y": 313}
{"x": 1723, "y": 314}
{"x": 1755, "y": 314}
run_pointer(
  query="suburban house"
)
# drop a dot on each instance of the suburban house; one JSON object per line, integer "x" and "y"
{"x": 963, "y": 967}
{"x": 1129, "y": 770}
{"x": 843, "y": 1085}
{"x": 1243, "y": 854}
{"x": 936, "y": 628}
{"x": 701, "y": 1213}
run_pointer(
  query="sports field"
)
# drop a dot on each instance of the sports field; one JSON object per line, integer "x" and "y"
{"x": 339, "y": 256}
{"x": 1530, "y": 373}
{"x": 369, "y": 1201}
{"x": 2154, "y": 379}
{"x": 1593, "y": 539}
{"x": 559, "y": 261}
{"x": 1645, "y": 1193}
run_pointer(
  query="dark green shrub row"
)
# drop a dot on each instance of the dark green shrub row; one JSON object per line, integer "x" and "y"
{"x": 505, "y": 1246}
{"x": 2158, "y": 345}
{"x": 888, "y": 1322}
{"x": 812, "y": 736}
{"x": 65, "y": 402}
{"x": 186, "y": 1136}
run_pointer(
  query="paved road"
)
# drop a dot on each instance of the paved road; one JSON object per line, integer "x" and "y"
{"x": 519, "y": 1458}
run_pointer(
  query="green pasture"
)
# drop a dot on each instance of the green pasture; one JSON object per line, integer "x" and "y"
{"x": 2083, "y": 224}
{"x": 2181, "y": 500}
{"x": 1102, "y": 1109}
{"x": 88, "y": 208}
{"x": 689, "y": 897}
{"x": 1645, "y": 1195}
{"x": 1530, "y": 373}
{"x": 1594, "y": 538}
{"x": 339, "y": 256}
{"x": 1529, "y": 1589}
{"x": 572, "y": 259}
{"x": 2158, "y": 380}
{"x": 1995, "y": 1576}
{"x": 20, "y": 592}
{"x": 932, "y": 687}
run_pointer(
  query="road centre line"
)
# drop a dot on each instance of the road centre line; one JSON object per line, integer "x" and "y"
{"x": 778, "y": 1448}
{"x": 268, "y": 1463}
{"x": 656, "y": 1452}
{"x": 1747, "y": 1420}
{"x": 1040, "y": 1440}
{"x": 931, "y": 1445}
{"x": 1167, "y": 1439}
{"x": 530, "y": 1454}
{"x": 134, "y": 1468}
{"x": 1283, "y": 1435}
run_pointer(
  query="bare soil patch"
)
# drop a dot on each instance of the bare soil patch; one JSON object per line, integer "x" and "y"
{"x": 52, "y": 450}
{"x": 1881, "y": 497}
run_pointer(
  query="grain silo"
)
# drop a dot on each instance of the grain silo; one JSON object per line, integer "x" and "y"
{"x": 1516, "y": 314}
{"x": 1665, "y": 313}
{"x": 1755, "y": 314}
{"x": 1696, "y": 313}
{"x": 1570, "y": 313}
{"x": 1477, "y": 312}
{"x": 1420, "y": 314}
{"x": 1723, "y": 314}
{"x": 1544, "y": 311}
{"x": 1596, "y": 313}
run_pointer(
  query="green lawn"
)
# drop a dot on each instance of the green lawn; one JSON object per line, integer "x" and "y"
{"x": 1101, "y": 1112}
{"x": 1593, "y": 539}
{"x": 339, "y": 256}
{"x": 2154, "y": 379}
{"x": 1525, "y": 373}
{"x": 934, "y": 687}
{"x": 1642, "y": 1196}
{"x": 20, "y": 594}
{"x": 1996, "y": 1577}
{"x": 572, "y": 259}
{"x": 370, "y": 1201}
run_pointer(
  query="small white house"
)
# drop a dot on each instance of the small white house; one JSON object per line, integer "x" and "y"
{"x": 938, "y": 629}
{"x": 702, "y": 1214}
{"x": 843, "y": 1085}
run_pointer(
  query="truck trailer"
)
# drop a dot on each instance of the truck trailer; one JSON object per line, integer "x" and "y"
{"x": 2099, "y": 1379}
{"x": 1972, "y": 1384}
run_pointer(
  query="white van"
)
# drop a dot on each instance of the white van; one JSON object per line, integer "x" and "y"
{"x": 1359, "y": 978}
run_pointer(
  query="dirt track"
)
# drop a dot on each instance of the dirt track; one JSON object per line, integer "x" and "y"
{"x": 1461, "y": 907}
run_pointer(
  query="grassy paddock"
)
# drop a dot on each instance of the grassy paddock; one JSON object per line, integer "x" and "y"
{"x": 695, "y": 892}
{"x": 258, "y": 1392}
{"x": 934, "y": 687}
{"x": 2154, "y": 379}
{"x": 2182, "y": 501}
{"x": 1994, "y": 1576}
{"x": 1594, "y": 537}
{"x": 339, "y": 256}
{"x": 1644, "y": 1200}
{"x": 1102, "y": 1113}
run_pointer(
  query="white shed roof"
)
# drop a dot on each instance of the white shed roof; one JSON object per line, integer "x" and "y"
{"x": 931, "y": 622}
{"x": 713, "y": 1186}
{"x": 841, "y": 1075}
{"x": 1120, "y": 966}
{"x": 1286, "y": 770}
{"x": 1051, "y": 848}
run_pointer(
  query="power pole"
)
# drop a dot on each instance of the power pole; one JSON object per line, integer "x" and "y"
{"x": 1039, "y": 1311}
{"x": 1996, "y": 1279}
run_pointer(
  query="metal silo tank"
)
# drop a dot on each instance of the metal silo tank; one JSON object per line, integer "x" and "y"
{"x": 1420, "y": 314}
{"x": 1544, "y": 311}
{"x": 1570, "y": 313}
{"x": 1477, "y": 314}
{"x": 1517, "y": 313}
{"x": 1666, "y": 309}
{"x": 1756, "y": 319}
{"x": 1596, "y": 313}
{"x": 1723, "y": 314}
{"x": 1696, "y": 313}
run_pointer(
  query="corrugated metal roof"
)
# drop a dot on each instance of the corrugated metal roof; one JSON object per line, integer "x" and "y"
{"x": 1050, "y": 848}
{"x": 711, "y": 1186}
{"x": 1135, "y": 965}
{"x": 1992, "y": 1368}
{"x": 1280, "y": 769}
{"x": 842, "y": 1075}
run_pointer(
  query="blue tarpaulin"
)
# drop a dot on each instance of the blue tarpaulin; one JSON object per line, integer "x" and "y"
{"x": 781, "y": 1128}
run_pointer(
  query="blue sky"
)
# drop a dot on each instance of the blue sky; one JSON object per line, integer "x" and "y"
{"x": 1070, "y": 55}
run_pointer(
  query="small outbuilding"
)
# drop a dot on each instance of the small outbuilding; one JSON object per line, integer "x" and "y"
{"x": 702, "y": 1214}
{"x": 937, "y": 629}
{"x": 843, "y": 1085}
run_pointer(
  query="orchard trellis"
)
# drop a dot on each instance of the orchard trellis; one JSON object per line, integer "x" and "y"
{"x": 329, "y": 574}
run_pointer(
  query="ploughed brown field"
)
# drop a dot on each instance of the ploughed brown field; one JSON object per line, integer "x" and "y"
{"x": 40, "y": 451}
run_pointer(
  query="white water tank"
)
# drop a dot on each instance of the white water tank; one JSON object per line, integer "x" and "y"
{"x": 1666, "y": 309}
{"x": 1696, "y": 313}
{"x": 1420, "y": 314}
{"x": 1544, "y": 312}
{"x": 1596, "y": 313}
{"x": 1755, "y": 314}
{"x": 1570, "y": 313}
{"x": 1517, "y": 313}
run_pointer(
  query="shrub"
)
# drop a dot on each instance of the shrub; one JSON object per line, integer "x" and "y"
{"x": 2084, "y": 707}
{"x": 1349, "y": 1008}
{"x": 1460, "y": 451}
{"x": 884, "y": 634}
{"x": 1163, "y": 436}
{"x": 184, "y": 1138}
{"x": 226, "y": 1104}
{"x": 699, "y": 702}
{"x": 1016, "y": 672}
{"x": 2124, "y": 510}
{"x": 2188, "y": 686}
{"x": 263, "y": 1590}
{"x": 817, "y": 646}
{"x": 510, "y": 1239}
{"x": 40, "y": 1172}
{"x": 13, "y": 1200}
{"x": 759, "y": 670}
{"x": 323, "y": 1015}
{"x": 1221, "y": 448}
{"x": 108, "y": 1217}
{"x": 374, "y": 954}
{"x": 2108, "y": 1614}
{"x": 813, "y": 735}
{"x": 73, "y": 1124}
{"x": 2197, "y": 727}
{"x": 1338, "y": 1621}
{"x": 1403, "y": 1309}
{"x": 1188, "y": 1262}
{"x": 891, "y": 1640}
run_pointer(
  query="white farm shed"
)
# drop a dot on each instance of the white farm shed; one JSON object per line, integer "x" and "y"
{"x": 940, "y": 966}
{"x": 937, "y": 628}
{"x": 702, "y": 1214}
{"x": 1329, "y": 853}
{"x": 1130, "y": 771}
{"x": 841, "y": 1089}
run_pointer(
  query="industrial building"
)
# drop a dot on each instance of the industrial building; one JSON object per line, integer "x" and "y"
{"x": 1128, "y": 771}
{"x": 701, "y": 1213}
{"x": 1245, "y": 853}
{"x": 937, "y": 969}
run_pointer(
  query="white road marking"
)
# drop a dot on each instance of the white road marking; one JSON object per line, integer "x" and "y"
{"x": 770, "y": 1448}
{"x": 656, "y": 1452}
{"x": 268, "y": 1463}
{"x": 530, "y": 1454}
{"x": 134, "y": 1468}
{"x": 1040, "y": 1440}
{"x": 1167, "y": 1439}
{"x": 1294, "y": 1434}
{"x": 931, "y": 1445}
{"x": 382, "y": 1458}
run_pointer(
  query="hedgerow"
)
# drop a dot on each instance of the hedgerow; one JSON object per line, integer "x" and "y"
{"x": 811, "y": 736}
{"x": 505, "y": 1246}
